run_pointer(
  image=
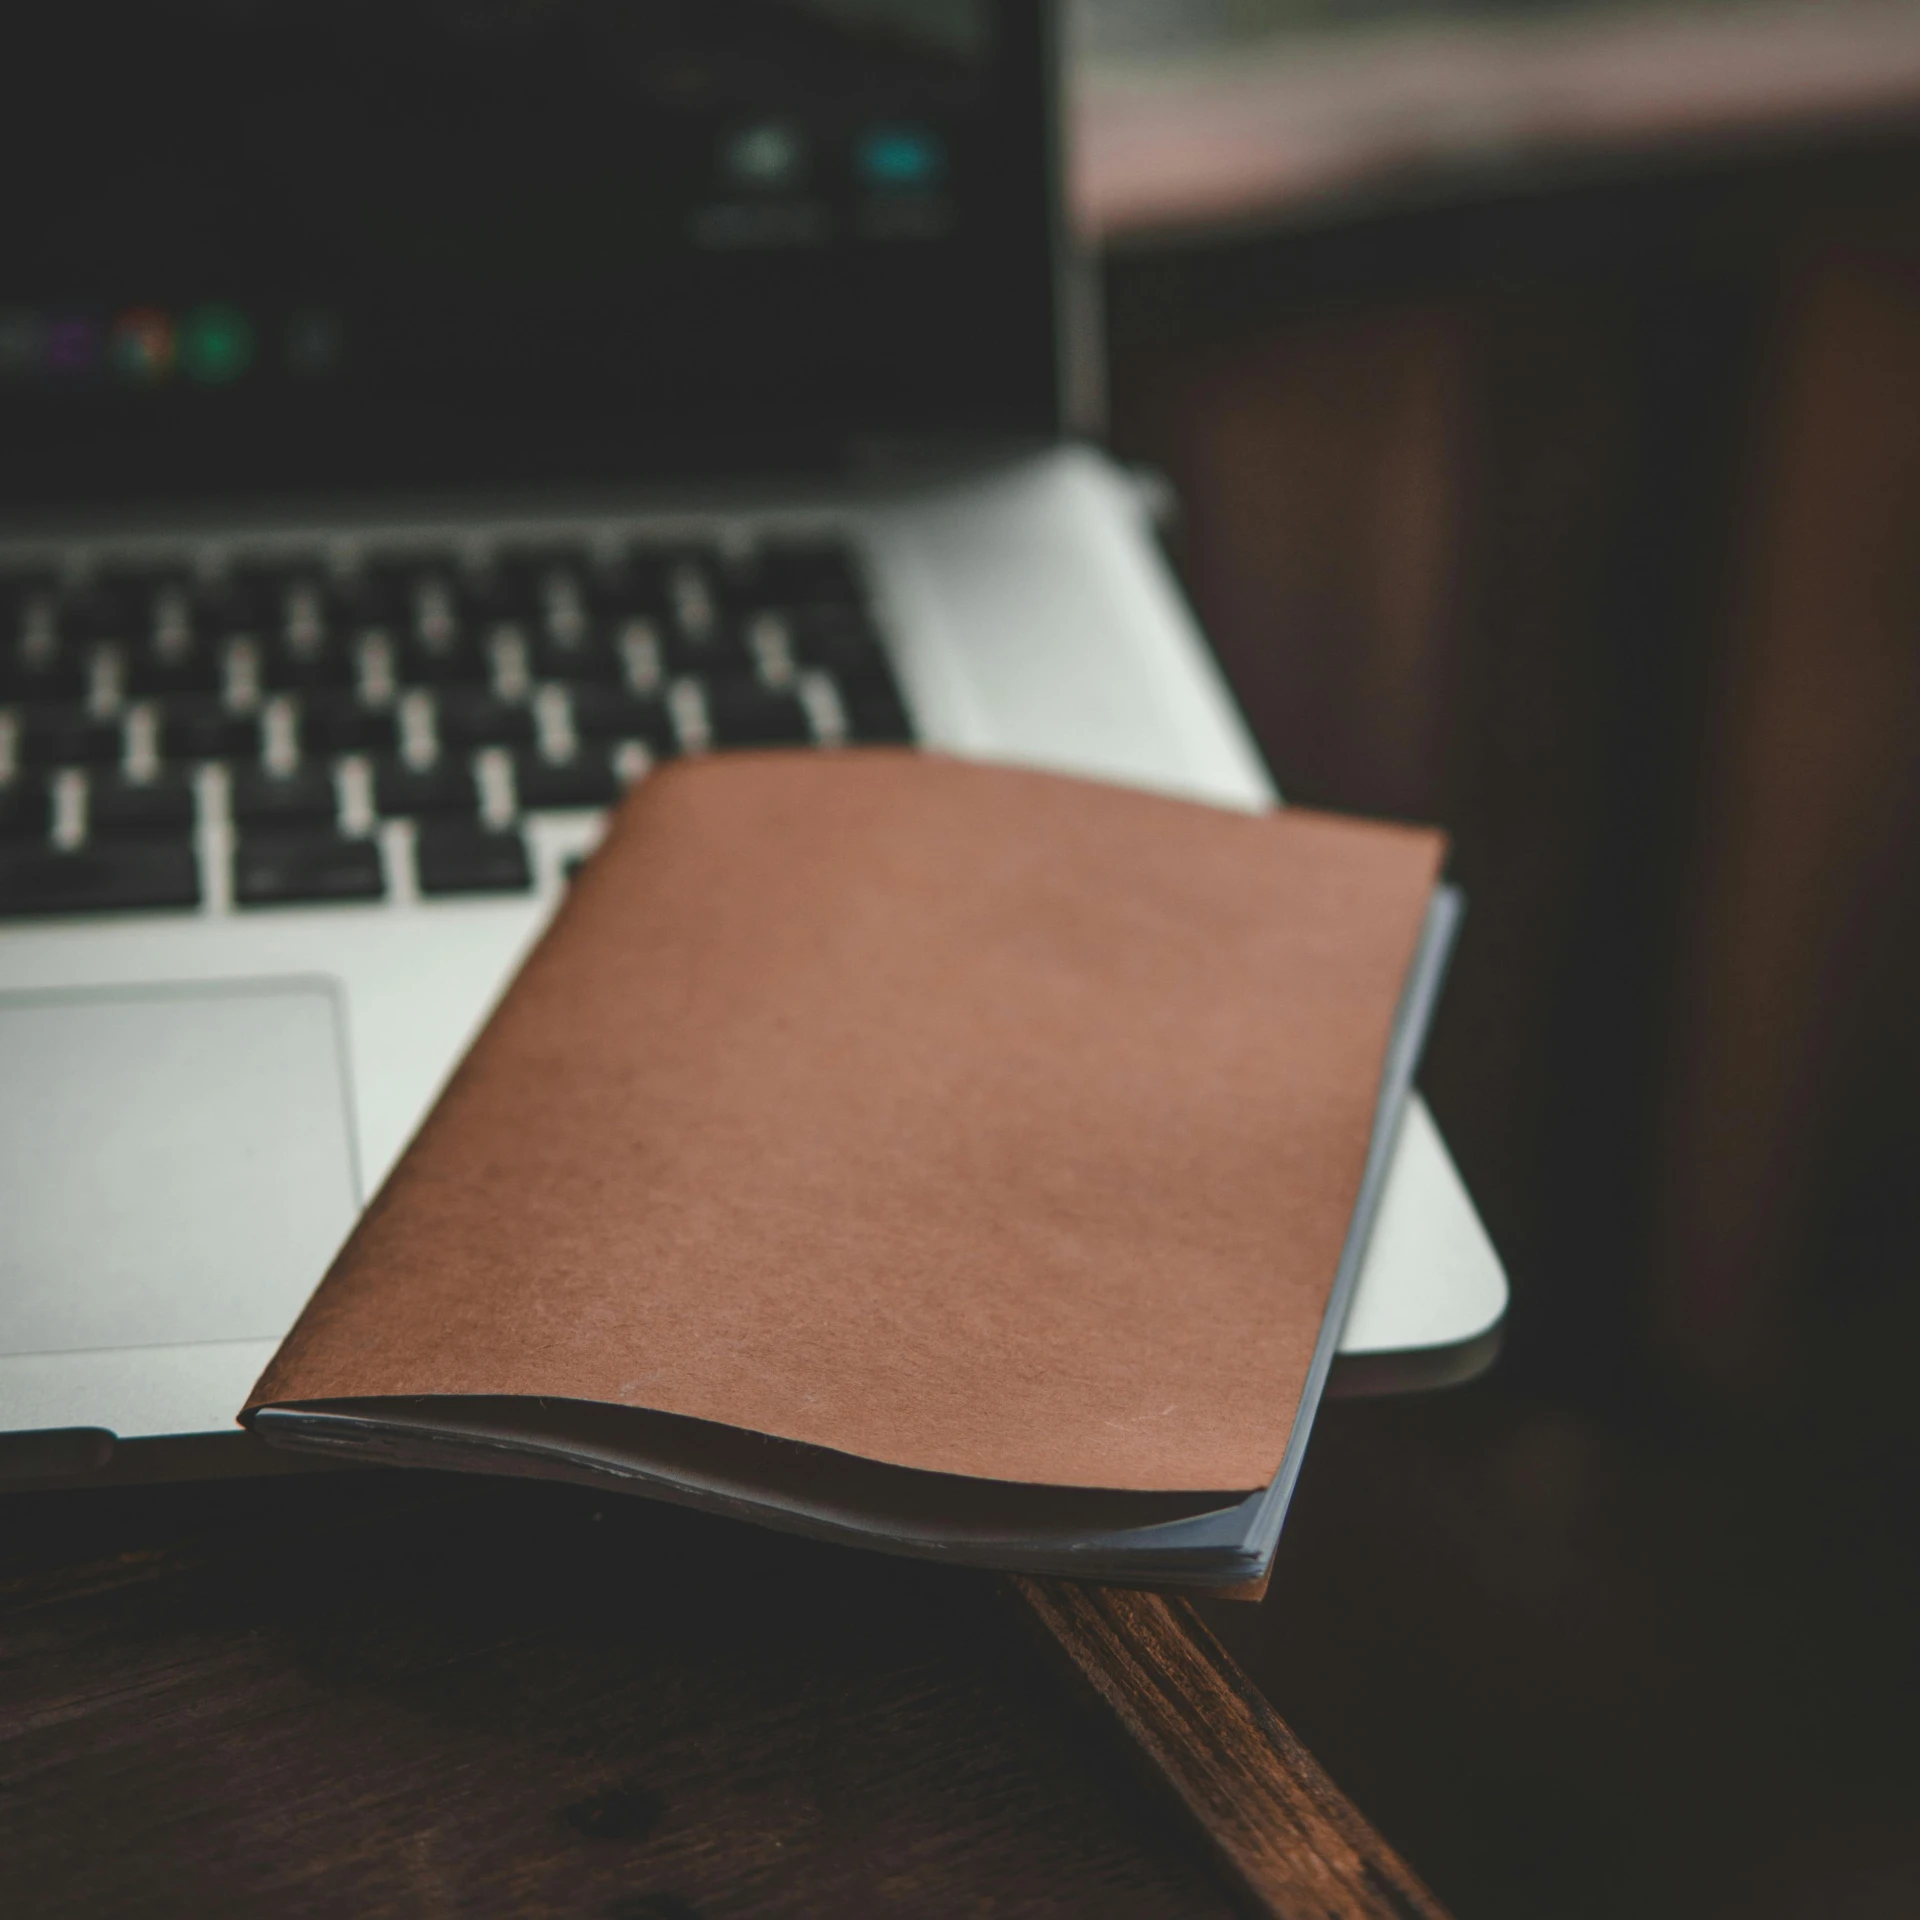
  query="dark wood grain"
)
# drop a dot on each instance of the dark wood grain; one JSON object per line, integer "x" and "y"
{"x": 1279, "y": 1828}
{"x": 1786, "y": 1198}
{"x": 376, "y": 1694}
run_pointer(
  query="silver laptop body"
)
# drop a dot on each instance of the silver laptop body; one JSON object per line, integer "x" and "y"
{"x": 287, "y": 790}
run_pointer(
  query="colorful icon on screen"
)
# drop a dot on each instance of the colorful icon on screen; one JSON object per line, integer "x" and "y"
{"x": 216, "y": 345}
{"x": 70, "y": 345}
{"x": 142, "y": 345}
{"x": 766, "y": 156}
{"x": 901, "y": 157}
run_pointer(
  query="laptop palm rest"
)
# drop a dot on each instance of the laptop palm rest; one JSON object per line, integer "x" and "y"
{"x": 176, "y": 1165}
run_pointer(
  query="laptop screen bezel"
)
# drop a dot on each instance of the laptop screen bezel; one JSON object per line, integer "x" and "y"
{"x": 103, "y": 464}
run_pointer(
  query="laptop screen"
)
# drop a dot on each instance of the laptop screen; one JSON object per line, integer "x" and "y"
{"x": 299, "y": 243}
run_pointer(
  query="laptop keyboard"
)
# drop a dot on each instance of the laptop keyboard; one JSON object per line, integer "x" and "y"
{"x": 273, "y": 722}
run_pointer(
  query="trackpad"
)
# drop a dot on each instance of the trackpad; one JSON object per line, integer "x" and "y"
{"x": 175, "y": 1165}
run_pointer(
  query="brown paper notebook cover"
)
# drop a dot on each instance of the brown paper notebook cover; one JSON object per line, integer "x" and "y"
{"x": 953, "y": 1156}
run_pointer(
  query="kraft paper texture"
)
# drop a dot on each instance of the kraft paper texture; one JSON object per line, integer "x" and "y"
{"x": 967, "y": 1119}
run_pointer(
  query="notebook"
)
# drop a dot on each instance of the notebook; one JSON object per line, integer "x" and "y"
{"x": 953, "y": 1159}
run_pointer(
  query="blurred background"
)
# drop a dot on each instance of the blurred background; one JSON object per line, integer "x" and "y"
{"x": 1539, "y": 385}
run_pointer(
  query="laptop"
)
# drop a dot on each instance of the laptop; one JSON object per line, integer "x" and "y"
{"x": 417, "y": 420}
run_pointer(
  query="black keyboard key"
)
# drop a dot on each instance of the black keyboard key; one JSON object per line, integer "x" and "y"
{"x": 585, "y": 653}
{"x": 611, "y": 713}
{"x": 140, "y": 597}
{"x": 875, "y": 715}
{"x": 452, "y": 857}
{"x": 495, "y": 597}
{"x": 722, "y": 650}
{"x": 692, "y": 588}
{"x": 525, "y": 578}
{"x": 304, "y": 797}
{"x": 448, "y": 787}
{"x": 152, "y": 669}
{"x": 421, "y": 600}
{"x": 20, "y": 587}
{"x": 26, "y": 810}
{"x": 439, "y": 639}
{"x": 586, "y": 780}
{"x": 338, "y": 722}
{"x": 160, "y": 808}
{"x": 472, "y": 717}
{"x": 257, "y": 595}
{"x": 457, "y": 661}
{"x": 246, "y": 598}
{"x": 525, "y": 582}
{"x": 309, "y": 662}
{"x": 222, "y": 608}
{"x": 399, "y": 577}
{"x": 36, "y": 670}
{"x": 841, "y": 639}
{"x": 364, "y": 600}
{"x": 66, "y": 736}
{"x": 798, "y": 573}
{"x": 645, "y": 584}
{"x": 743, "y": 713}
{"x": 104, "y": 879}
{"x": 103, "y": 611}
{"x": 275, "y": 869}
{"x": 206, "y": 729}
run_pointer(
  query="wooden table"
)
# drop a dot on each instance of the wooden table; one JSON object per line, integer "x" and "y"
{"x": 372, "y": 1694}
